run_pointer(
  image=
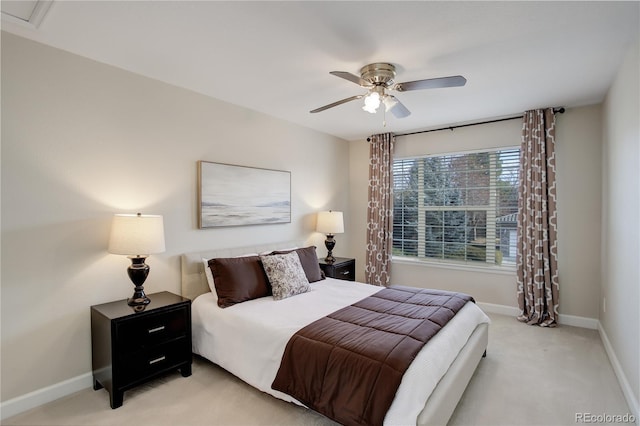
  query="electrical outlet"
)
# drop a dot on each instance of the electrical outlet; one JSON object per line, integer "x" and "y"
{"x": 604, "y": 304}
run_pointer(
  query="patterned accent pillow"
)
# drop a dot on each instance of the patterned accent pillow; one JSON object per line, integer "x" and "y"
{"x": 309, "y": 262}
{"x": 285, "y": 274}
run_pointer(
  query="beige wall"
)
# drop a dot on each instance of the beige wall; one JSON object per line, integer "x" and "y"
{"x": 620, "y": 319}
{"x": 578, "y": 160}
{"x": 358, "y": 184}
{"x": 82, "y": 141}
{"x": 579, "y": 177}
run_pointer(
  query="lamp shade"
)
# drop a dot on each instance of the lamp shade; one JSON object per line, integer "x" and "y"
{"x": 330, "y": 222}
{"x": 136, "y": 234}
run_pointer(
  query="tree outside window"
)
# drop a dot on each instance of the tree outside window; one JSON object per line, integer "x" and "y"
{"x": 449, "y": 207}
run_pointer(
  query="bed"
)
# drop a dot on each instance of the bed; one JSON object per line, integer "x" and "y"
{"x": 425, "y": 396}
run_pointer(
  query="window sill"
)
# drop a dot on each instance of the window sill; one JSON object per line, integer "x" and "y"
{"x": 502, "y": 270}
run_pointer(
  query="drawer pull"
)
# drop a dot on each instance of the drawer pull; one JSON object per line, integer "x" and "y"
{"x": 153, "y": 361}
{"x": 155, "y": 330}
{"x": 345, "y": 273}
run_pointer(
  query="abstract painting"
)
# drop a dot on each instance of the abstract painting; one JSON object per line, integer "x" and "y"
{"x": 231, "y": 195}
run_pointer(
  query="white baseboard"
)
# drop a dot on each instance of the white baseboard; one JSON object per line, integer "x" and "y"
{"x": 33, "y": 399}
{"x": 582, "y": 322}
{"x": 632, "y": 399}
{"x": 572, "y": 320}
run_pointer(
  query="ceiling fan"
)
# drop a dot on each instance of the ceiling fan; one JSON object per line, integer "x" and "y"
{"x": 378, "y": 78}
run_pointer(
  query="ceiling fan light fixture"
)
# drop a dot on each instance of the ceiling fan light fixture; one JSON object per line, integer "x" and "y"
{"x": 371, "y": 102}
{"x": 389, "y": 102}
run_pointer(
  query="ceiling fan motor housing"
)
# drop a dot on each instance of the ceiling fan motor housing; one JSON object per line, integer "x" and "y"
{"x": 379, "y": 73}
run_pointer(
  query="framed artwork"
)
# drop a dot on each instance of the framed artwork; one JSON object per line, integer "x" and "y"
{"x": 230, "y": 195}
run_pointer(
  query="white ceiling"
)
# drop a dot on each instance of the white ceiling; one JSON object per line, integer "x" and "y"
{"x": 275, "y": 57}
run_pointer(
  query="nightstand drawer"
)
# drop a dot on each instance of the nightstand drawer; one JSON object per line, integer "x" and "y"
{"x": 141, "y": 364}
{"x": 151, "y": 330}
{"x": 342, "y": 268}
{"x": 344, "y": 272}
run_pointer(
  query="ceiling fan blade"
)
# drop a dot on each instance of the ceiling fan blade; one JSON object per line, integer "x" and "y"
{"x": 343, "y": 101}
{"x": 352, "y": 78}
{"x": 431, "y": 83}
{"x": 399, "y": 110}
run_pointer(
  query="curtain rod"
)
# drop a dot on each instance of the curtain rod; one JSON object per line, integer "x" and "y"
{"x": 555, "y": 111}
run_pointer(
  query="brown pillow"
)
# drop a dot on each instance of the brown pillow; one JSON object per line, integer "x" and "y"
{"x": 238, "y": 279}
{"x": 309, "y": 262}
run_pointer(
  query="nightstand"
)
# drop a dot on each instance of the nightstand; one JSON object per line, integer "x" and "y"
{"x": 129, "y": 347}
{"x": 343, "y": 268}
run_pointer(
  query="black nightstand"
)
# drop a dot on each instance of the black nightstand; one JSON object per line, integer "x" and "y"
{"x": 130, "y": 347}
{"x": 343, "y": 268}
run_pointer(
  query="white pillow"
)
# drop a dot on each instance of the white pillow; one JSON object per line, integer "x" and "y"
{"x": 209, "y": 274}
{"x": 286, "y": 275}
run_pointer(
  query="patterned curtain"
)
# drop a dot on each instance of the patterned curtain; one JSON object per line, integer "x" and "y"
{"x": 380, "y": 210}
{"x": 537, "y": 255}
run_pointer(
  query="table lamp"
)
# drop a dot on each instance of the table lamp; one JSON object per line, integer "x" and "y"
{"x": 137, "y": 236}
{"x": 330, "y": 223}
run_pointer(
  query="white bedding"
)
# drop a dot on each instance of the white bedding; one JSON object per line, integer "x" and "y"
{"x": 248, "y": 339}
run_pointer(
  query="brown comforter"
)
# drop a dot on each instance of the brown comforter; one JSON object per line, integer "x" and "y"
{"x": 349, "y": 364}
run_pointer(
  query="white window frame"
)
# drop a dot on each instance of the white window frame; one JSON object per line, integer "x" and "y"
{"x": 489, "y": 264}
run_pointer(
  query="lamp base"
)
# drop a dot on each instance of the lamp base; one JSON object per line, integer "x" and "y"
{"x": 330, "y": 243}
{"x": 138, "y": 298}
{"x": 138, "y": 272}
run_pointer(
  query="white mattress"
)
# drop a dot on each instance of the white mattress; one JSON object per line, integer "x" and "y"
{"x": 248, "y": 339}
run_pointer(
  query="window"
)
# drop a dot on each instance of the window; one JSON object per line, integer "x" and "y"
{"x": 448, "y": 207}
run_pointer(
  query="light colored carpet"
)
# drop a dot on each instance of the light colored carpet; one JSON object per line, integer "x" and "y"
{"x": 531, "y": 376}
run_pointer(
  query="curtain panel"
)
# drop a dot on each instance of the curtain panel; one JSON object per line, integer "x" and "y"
{"x": 380, "y": 210}
{"x": 537, "y": 254}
